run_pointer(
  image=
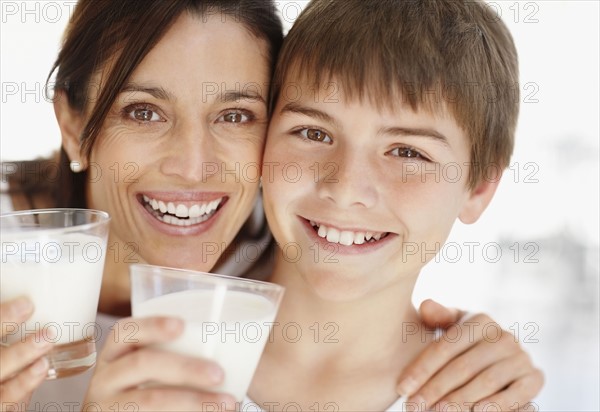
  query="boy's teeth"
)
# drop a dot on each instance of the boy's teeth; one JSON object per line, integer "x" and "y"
{"x": 345, "y": 237}
{"x": 359, "y": 238}
{"x": 322, "y": 231}
{"x": 333, "y": 235}
{"x": 171, "y": 208}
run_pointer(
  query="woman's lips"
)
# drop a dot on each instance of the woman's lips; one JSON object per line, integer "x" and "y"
{"x": 181, "y": 213}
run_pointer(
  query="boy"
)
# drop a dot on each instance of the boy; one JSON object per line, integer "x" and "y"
{"x": 373, "y": 100}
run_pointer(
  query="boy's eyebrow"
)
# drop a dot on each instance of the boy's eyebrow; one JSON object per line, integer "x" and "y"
{"x": 310, "y": 112}
{"x": 156, "y": 92}
{"x": 407, "y": 131}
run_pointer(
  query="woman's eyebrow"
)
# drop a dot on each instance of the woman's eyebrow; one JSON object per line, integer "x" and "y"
{"x": 156, "y": 92}
{"x": 236, "y": 96}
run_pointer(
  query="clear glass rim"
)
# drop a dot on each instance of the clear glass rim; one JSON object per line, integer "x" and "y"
{"x": 105, "y": 218}
{"x": 216, "y": 278}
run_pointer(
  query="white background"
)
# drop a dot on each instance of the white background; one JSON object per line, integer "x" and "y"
{"x": 544, "y": 219}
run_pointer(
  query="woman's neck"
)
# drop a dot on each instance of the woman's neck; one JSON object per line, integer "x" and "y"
{"x": 115, "y": 295}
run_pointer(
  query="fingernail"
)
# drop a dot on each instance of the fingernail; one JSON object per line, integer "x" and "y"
{"x": 49, "y": 334}
{"x": 40, "y": 342}
{"x": 230, "y": 403}
{"x": 40, "y": 367}
{"x": 22, "y": 306}
{"x": 216, "y": 373}
{"x": 173, "y": 324}
{"x": 407, "y": 386}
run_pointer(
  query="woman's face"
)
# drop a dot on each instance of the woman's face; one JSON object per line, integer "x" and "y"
{"x": 177, "y": 163}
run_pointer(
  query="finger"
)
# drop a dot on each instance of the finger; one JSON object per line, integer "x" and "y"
{"x": 15, "y": 357}
{"x": 517, "y": 395}
{"x": 168, "y": 400}
{"x": 466, "y": 368}
{"x": 148, "y": 366}
{"x": 493, "y": 380}
{"x": 435, "y": 315}
{"x": 132, "y": 333}
{"x": 452, "y": 342}
{"x": 13, "y": 312}
{"x": 18, "y": 389}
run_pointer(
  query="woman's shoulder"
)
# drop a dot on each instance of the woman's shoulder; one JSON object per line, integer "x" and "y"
{"x": 29, "y": 184}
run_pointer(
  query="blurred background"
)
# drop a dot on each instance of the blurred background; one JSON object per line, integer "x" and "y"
{"x": 532, "y": 261}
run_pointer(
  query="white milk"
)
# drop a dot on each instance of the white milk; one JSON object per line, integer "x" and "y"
{"x": 61, "y": 274}
{"x": 234, "y": 337}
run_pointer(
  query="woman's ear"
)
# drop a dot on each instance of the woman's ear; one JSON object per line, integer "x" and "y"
{"x": 479, "y": 199}
{"x": 71, "y": 123}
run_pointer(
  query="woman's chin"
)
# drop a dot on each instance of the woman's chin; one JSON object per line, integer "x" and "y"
{"x": 191, "y": 259}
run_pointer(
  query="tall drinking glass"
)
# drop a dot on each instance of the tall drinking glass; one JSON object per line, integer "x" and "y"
{"x": 227, "y": 319}
{"x": 55, "y": 257}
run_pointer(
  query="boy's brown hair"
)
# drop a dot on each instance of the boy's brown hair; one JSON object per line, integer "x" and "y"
{"x": 429, "y": 54}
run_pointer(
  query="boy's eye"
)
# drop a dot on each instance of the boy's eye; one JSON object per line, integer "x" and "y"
{"x": 316, "y": 135}
{"x": 235, "y": 117}
{"x": 407, "y": 152}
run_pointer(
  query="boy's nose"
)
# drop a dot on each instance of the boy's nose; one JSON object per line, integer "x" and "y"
{"x": 348, "y": 182}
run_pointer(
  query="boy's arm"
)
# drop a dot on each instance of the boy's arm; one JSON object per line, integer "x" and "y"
{"x": 471, "y": 372}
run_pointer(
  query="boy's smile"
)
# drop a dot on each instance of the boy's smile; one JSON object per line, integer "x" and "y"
{"x": 345, "y": 239}
{"x": 368, "y": 182}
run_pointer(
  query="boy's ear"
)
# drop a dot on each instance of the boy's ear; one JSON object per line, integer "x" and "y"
{"x": 71, "y": 123}
{"x": 479, "y": 199}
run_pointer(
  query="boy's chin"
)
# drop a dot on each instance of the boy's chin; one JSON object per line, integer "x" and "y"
{"x": 339, "y": 287}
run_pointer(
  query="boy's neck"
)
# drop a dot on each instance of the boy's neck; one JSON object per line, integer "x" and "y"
{"x": 368, "y": 340}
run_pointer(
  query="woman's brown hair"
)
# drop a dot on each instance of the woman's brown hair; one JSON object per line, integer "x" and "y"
{"x": 125, "y": 31}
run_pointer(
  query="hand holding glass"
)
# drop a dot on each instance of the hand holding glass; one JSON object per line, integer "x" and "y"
{"x": 227, "y": 319}
{"x": 55, "y": 257}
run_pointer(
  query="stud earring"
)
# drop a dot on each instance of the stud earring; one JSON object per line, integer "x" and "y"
{"x": 75, "y": 166}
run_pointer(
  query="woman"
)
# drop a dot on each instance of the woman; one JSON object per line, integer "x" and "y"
{"x": 163, "y": 109}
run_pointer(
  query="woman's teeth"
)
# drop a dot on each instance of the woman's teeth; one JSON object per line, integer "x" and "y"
{"x": 180, "y": 214}
{"x": 346, "y": 237}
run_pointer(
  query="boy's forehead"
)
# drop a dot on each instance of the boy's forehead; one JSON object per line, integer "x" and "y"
{"x": 305, "y": 87}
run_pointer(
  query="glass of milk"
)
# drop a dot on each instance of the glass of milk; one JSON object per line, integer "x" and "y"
{"x": 227, "y": 319}
{"x": 55, "y": 257}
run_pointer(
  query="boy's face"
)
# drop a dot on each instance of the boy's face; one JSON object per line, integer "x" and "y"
{"x": 366, "y": 195}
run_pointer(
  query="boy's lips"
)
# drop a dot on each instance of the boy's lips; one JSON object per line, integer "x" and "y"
{"x": 181, "y": 213}
{"x": 346, "y": 240}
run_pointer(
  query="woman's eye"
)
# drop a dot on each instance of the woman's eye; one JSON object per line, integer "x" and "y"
{"x": 143, "y": 114}
{"x": 235, "y": 117}
{"x": 316, "y": 135}
{"x": 407, "y": 152}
